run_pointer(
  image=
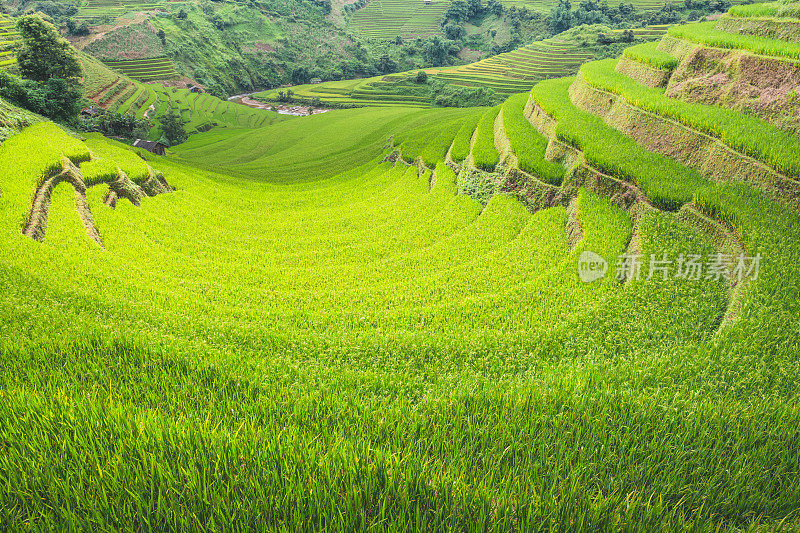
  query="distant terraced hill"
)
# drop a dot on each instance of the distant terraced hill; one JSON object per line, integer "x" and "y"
{"x": 544, "y": 6}
{"x": 118, "y": 93}
{"x": 9, "y": 38}
{"x": 154, "y": 68}
{"x": 409, "y": 19}
{"x": 100, "y": 9}
{"x": 506, "y": 74}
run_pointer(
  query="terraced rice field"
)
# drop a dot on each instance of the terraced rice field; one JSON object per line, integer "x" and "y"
{"x": 9, "y": 39}
{"x": 97, "y": 9}
{"x": 520, "y": 69}
{"x": 154, "y": 68}
{"x": 544, "y": 6}
{"x": 506, "y": 74}
{"x": 199, "y": 111}
{"x": 303, "y": 331}
{"x": 409, "y": 19}
{"x": 368, "y": 92}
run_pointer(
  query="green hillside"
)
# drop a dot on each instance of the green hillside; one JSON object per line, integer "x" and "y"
{"x": 409, "y": 19}
{"x": 9, "y": 39}
{"x": 573, "y": 311}
{"x": 505, "y": 74}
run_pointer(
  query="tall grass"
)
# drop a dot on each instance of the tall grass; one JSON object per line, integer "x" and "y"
{"x": 463, "y": 139}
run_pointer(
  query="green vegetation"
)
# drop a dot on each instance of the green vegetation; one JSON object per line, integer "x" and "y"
{"x": 484, "y": 151}
{"x": 649, "y": 54}
{"x": 483, "y": 83}
{"x": 387, "y": 19}
{"x": 44, "y": 54}
{"x": 101, "y": 10}
{"x": 155, "y": 68}
{"x": 9, "y": 40}
{"x": 528, "y": 144}
{"x": 741, "y": 132}
{"x": 282, "y": 325}
{"x": 463, "y": 139}
{"x": 431, "y": 142}
{"x": 49, "y": 69}
{"x": 766, "y": 10}
{"x": 706, "y": 33}
{"x": 457, "y": 328}
{"x": 666, "y": 183}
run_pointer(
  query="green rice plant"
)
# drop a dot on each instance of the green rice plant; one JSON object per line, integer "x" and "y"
{"x": 666, "y": 183}
{"x": 649, "y": 54}
{"x": 484, "y": 151}
{"x": 42, "y": 159}
{"x": 436, "y": 148}
{"x": 125, "y": 158}
{"x": 528, "y": 144}
{"x": 98, "y": 171}
{"x": 742, "y": 132}
{"x": 463, "y": 139}
{"x": 706, "y": 33}
{"x": 763, "y": 9}
{"x": 304, "y": 337}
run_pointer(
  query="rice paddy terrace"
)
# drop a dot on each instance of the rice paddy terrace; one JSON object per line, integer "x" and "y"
{"x": 409, "y": 19}
{"x": 9, "y": 39}
{"x": 115, "y": 92}
{"x": 148, "y": 69}
{"x": 379, "y": 318}
{"x": 506, "y": 74}
{"x": 112, "y": 9}
{"x": 544, "y": 6}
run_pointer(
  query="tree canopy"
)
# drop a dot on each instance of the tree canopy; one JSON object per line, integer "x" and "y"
{"x": 44, "y": 53}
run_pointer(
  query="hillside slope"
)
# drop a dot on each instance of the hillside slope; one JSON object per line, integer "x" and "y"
{"x": 383, "y": 318}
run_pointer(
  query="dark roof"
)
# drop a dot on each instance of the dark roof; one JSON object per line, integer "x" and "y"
{"x": 150, "y": 146}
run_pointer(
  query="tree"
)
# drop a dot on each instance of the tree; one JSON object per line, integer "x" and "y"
{"x": 162, "y": 35}
{"x": 172, "y": 128}
{"x": 454, "y": 32}
{"x": 475, "y": 7}
{"x": 386, "y": 64}
{"x": 494, "y": 7}
{"x": 44, "y": 53}
{"x": 78, "y": 30}
{"x": 627, "y": 36}
{"x": 458, "y": 11}
{"x": 55, "y": 98}
{"x": 561, "y": 17}
{"x": 421, "y": 77}
{"x": 300, "y": 75}
{"x": 435, "y": 52}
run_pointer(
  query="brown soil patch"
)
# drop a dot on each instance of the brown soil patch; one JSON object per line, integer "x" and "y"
{"x": 763, "y": 86}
